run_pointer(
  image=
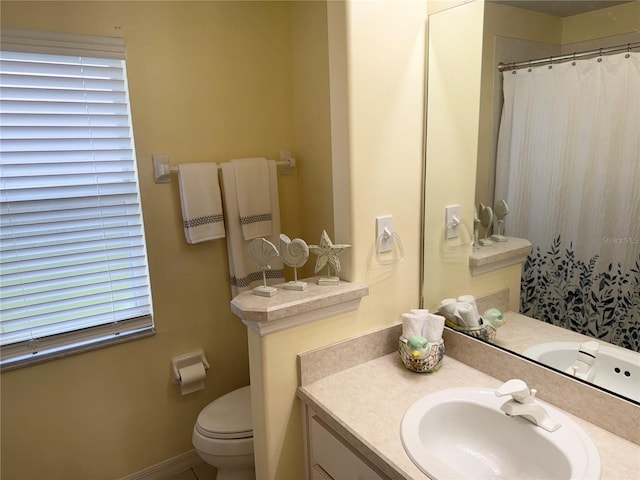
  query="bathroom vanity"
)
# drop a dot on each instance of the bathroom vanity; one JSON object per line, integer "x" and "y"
{"x": 331, "y": 457}
{"x": 355, "y": 394}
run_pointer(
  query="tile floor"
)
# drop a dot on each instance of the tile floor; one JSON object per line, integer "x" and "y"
{"x": 199, "y": 472}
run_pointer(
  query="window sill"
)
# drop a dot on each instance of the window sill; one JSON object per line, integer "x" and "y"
{"x": 80, "y": 347}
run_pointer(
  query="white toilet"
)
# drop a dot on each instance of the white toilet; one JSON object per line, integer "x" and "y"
{"x": 223, "y": 435}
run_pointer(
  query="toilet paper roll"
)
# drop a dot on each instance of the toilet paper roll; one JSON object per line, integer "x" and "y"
{"x": 192, "y": 378}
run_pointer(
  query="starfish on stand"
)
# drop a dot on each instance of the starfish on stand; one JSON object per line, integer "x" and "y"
{"x": 328, "y": 254}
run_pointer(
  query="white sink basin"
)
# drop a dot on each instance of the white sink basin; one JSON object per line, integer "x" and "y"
{"x": 461, "y": 433}
{"x": 616, "y": 369}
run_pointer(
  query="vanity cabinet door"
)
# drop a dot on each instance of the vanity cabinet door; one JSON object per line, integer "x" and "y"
{"x": 332, "y": 459}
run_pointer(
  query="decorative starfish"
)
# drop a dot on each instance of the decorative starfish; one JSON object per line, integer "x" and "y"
{"x": 327, "y": 253}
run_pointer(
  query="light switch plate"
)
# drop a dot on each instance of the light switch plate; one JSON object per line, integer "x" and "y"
{"x": 452, "y": 221}
{"x": 384, "y": 242}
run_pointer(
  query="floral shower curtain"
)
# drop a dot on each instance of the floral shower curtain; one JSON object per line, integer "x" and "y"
{"x": 568, "y": 165}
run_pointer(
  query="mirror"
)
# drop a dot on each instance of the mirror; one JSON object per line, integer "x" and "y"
{"x": 514, "y": 31}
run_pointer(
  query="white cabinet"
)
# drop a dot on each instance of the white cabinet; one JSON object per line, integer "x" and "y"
{"x": 330, "y": 457}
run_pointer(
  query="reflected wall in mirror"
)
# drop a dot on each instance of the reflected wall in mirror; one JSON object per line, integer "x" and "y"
{"x": 512, "y": 34}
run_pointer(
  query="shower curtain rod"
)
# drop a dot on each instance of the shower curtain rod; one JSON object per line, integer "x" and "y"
{"x": 570, "y": 56}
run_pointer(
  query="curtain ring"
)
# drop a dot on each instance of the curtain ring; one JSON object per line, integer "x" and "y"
{"x": 600, "y": 57}
{"x": 574, "y": 59}
{"x": 529, "y": 66}
{"x": 628, "y": 54}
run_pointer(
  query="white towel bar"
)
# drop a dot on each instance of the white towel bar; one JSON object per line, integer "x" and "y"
{"x": 162, "y": 169}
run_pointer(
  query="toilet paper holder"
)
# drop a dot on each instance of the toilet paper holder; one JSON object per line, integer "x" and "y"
{"x": 185, "y": 360}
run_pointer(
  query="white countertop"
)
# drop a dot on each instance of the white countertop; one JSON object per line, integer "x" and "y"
{"x": 366, "y": 403}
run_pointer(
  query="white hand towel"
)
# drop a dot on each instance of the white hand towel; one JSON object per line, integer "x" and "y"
{"x": 467, "y": 315}
{"x": 254, "y": 197}
{"x": 448, "y": 307}
{"x": 201, "y": 204}
{"x": 470, "y": 300}
{"x": 411, "y": 325}
{"x": 422, "y": 313}
{"x": 433, "y": 327}
{"x": 244, "y": 272}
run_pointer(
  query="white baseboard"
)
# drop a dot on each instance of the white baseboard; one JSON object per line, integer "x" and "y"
{"x": 167, "y": 468}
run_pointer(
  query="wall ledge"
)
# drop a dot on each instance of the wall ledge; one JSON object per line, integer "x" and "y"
{"x": 290, "y": 308}
{"x": 499, "y": 255}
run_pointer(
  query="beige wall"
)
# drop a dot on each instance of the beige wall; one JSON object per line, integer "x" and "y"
{"x": 209, "y": 81}
{"x": 377, "y": 48}
{"x": 616, "y": 20}
{"x": 376, "y": 62}
{"x": 257, "y": 81}
{"x": 311, "y": 122}
{"x": 451, "y": 151}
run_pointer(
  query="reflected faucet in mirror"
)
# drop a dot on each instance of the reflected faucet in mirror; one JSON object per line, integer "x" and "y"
{"x": 586, "y": 361}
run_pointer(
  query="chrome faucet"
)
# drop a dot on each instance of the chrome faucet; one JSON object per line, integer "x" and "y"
{"x": 523, "y": 404}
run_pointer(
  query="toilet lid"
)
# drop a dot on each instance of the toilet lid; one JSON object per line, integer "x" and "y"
{"x": 228, "y": 416}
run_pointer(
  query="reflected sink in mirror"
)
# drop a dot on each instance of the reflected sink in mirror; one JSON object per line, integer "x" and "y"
{"x": 461, "y": 433}
{"x": 615, "y": 369}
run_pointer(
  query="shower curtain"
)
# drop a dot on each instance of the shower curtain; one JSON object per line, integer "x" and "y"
{"x": 568, "y": 165}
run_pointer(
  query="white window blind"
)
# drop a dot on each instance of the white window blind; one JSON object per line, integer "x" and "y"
{"x": 73, "y": 266}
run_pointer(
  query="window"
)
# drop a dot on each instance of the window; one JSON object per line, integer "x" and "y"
{"x": 73, "y": 266}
